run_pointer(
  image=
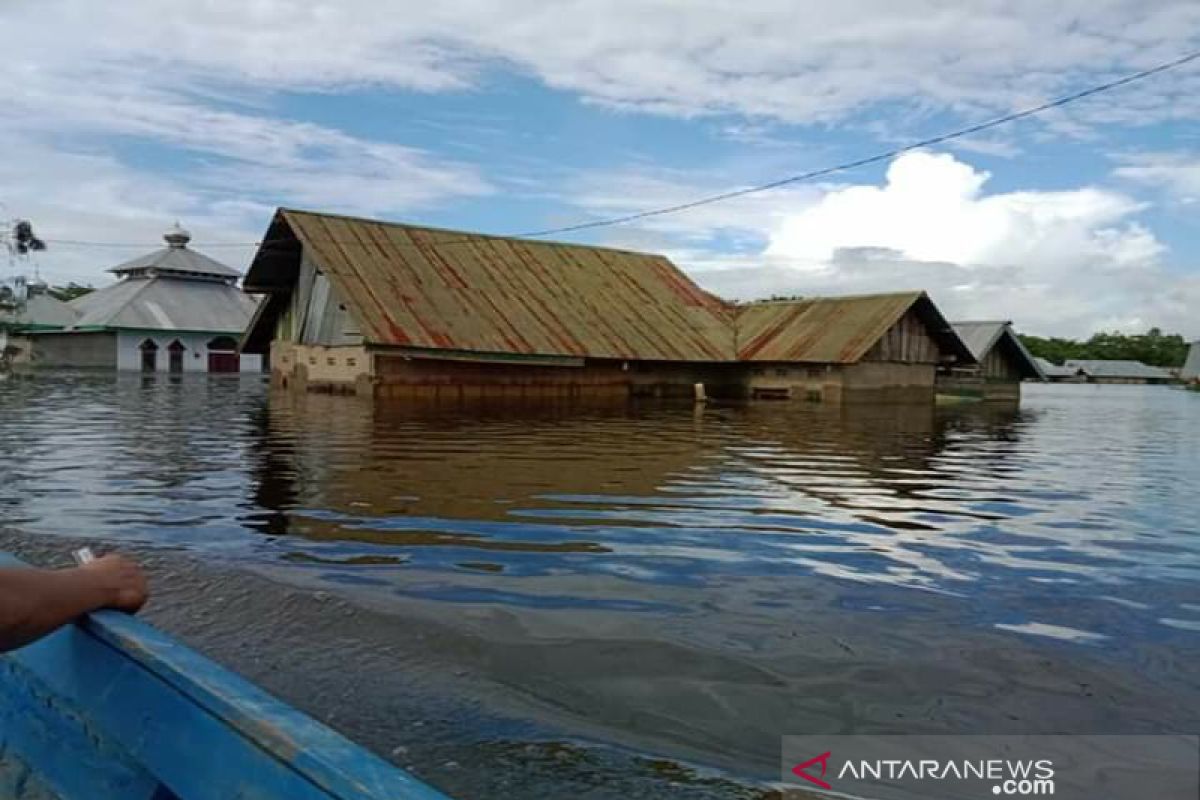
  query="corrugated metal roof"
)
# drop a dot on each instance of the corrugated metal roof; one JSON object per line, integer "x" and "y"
{"x": 1051, "y": 370}
{"x": 1191, "y": 367}
{"x": 177, "y": 259}
{"x": 981, "y": 337}
{"x": 500, "y": 295}
{"x": 1118, "y": 369}
{"x": 40, "y": 310}
{"x": 838, "y": 330}
{"x": 166, "y": 303}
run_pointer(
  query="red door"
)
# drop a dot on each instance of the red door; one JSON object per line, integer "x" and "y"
{"x": 222, "y": 362}
{"x": 222, "y": 354}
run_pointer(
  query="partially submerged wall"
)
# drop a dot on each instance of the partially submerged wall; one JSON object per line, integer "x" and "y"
{"x": 404, "y": 377}
{"x": 317, "y": 368}
{"x": 785, "y": 381}
{"x": 875, "y": 381}
{"x": 76, "y": 349}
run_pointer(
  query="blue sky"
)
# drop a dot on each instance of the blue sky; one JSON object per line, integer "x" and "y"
{"x": 514, "y": 116}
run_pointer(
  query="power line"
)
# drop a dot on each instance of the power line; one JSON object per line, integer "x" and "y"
{"x": 84, "y": 243}
{"x": 729, "y": 195}
{"x": 884, "y": 156}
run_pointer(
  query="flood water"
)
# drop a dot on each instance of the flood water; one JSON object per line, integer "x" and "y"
{"x": 692, "y": 583}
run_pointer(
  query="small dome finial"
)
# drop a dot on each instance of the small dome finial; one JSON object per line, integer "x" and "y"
{"x": 177, "y": 236}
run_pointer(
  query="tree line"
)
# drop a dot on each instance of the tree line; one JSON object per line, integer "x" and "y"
{"x": 1153, "y": 347}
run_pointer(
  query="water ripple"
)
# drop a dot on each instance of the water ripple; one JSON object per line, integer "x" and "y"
{"x": 1069, "y": 522}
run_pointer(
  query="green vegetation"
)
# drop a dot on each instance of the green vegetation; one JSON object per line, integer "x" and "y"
{"x": 1153, "y": 347}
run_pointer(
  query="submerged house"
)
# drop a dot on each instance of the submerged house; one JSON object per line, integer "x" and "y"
{"x": 1190, "y": 372}
{"x": 1002, "y": 363}
{"x": 173, "y": 310}
{"x": 1119, "y": 371}
{"x": 392, "y": 310}
{"x": 1056, "y": 374}
{"x": 27, "y": 308}
{"x": 834, "y": 348}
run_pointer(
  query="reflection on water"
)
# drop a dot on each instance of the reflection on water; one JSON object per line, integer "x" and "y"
{"x": 704, "y": 580}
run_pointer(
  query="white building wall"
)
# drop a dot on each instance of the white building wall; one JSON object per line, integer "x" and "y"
{"x": 195, "y": 357}
{"x": 250, "y": 362}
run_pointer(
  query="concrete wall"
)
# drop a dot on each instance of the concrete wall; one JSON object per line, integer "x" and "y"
{"x": 386, "y": 373}
{"x": 195, "y": 356}
{"x": 87, "y": 350}
{"x": 821, "y": 382}
{"x": 884, "y": 381}
{"x": 974, "y": 385}
{"x": 347, "y": 368}
{"x": 1002, "y": 391}
{"x": 390, "y": 374}
{"x": 14, "y": 350}
{"x": 836, "y": 383}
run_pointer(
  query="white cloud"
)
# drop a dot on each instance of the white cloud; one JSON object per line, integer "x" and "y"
{"x": 89, "y": 83}
{"x": 1176, "y": 172}
{"x": 1060, "y": 262}
{"x": 797, "y": 61}
{"x": 932, "y": 208}
{"x": 93, "y": 197}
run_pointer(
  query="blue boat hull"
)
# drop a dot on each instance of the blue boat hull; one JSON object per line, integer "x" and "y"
{"x": 112, "y": 708}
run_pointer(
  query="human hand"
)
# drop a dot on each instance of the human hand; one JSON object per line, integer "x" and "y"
{"x": 122, "y": 580}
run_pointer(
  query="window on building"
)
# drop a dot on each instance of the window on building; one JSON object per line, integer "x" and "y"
{"x": 223, "y": 343}
{"x": 175, "y": 352}
{"x": 149, "y": 351}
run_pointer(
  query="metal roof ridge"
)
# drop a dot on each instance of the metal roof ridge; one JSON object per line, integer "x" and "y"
{"x": 914, "y": 293}
{"x": 472, "y": 234}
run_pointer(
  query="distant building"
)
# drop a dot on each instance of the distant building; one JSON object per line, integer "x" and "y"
{"x": 1002, "y": 363}
{"x": 1191, "y": 368}
{"x": 173, "y": 310}
{"x": 391, "y": 310}
{"x": 28, "y": 308}
{"x": 1097, "y": 371}
{"x": 1057, "y": 374}
{"x": 883, "y": 346}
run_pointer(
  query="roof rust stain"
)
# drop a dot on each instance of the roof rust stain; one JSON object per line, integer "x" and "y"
{"x": 446, "y": 290}
{"x": 837, "y": 330}
{"x": 423, "y": 287}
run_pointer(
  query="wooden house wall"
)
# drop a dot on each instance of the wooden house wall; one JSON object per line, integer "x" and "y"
{"x": 908, "y": 342}
{"x": 315, "y": 315}
{"x": 998, "y": 366}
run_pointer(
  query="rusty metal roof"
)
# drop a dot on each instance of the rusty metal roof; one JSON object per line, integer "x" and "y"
{"x": 429, "y": 288}
{"x": 834, "y": 330}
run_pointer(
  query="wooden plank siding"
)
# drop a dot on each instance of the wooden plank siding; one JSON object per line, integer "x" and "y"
{"x": 998, "y": 366}
{"x": 908, "y": 341}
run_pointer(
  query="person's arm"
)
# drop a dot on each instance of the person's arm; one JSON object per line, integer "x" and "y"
{"x": 34, "y": 602}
